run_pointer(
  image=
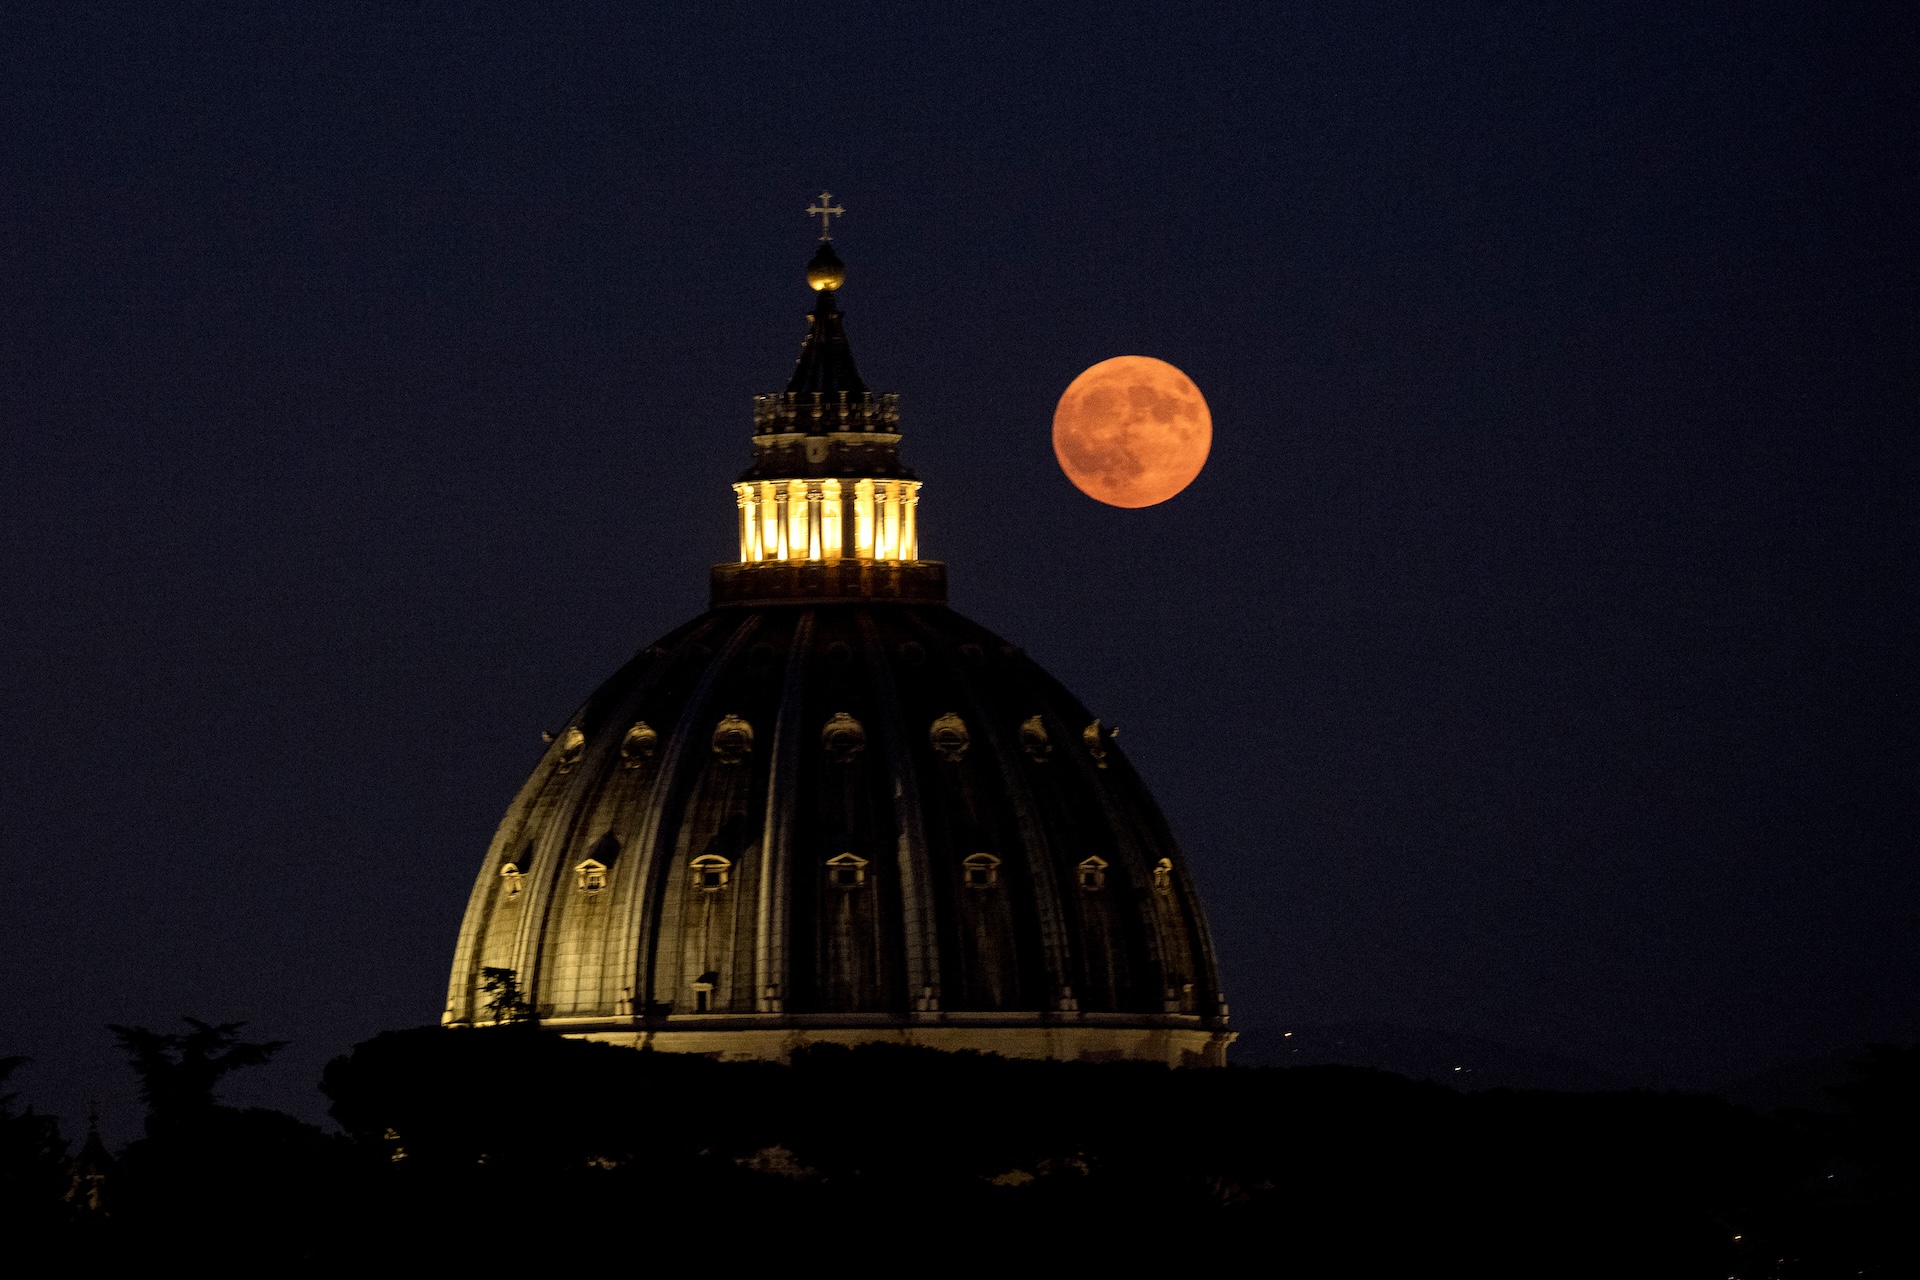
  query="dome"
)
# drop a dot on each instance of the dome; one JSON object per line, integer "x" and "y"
{"x": 833, "y": 809}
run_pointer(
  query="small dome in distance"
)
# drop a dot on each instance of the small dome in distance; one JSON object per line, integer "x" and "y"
{"x": 824, "y": 269}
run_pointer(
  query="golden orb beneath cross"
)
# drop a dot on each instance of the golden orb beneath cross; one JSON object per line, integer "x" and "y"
{"x": 825, "y": 270}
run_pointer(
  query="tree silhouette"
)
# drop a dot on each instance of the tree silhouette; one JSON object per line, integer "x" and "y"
{"x": 178, "y": 1073}
{"x": 7, "y": 1067}
{"x": 508, "y": 1003}
{"x": 32, "y": 1164}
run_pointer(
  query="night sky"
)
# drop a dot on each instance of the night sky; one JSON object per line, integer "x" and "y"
{"x": 1534, "y": 659}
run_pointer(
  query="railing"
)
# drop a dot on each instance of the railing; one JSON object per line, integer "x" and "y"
{"x": 813, "y": 412}
{"x": 797, "y": 582}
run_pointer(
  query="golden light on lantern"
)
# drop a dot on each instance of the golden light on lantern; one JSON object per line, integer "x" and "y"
{"x": 1132, "y": 431}
{"x": 828, "y": 520}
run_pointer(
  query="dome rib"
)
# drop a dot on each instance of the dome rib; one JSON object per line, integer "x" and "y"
{"x": 630, "y": 957}
{"x": 983, "y": 721}
{"x": 924, "y": 979}
{"x": 772, "y": 941}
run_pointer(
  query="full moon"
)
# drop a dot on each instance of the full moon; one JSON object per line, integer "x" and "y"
{"x": 1132, "y": 431}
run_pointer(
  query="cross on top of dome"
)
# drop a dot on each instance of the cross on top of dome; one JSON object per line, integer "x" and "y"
{"x": 825, "y": 211}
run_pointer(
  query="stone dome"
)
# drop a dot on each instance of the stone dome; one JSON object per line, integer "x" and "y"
{"x": 833, "y": 809}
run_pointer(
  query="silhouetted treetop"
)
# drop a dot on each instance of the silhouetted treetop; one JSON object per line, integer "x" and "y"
{"x": 178, "y": 1073}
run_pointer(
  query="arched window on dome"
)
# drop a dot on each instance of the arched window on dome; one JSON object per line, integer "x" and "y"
{"x": 1163, "y": 876}
{"x": 847, "y": 870}
{"x": 590, "y": 876}
{"x": 710, "y": 872}
{"x": 512, "y": 880}
{"x": 980, "y": 870}
{"x": 1093, "y": 873}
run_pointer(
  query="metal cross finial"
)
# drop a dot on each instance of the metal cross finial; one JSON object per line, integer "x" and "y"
{"x": 825, "y": 212}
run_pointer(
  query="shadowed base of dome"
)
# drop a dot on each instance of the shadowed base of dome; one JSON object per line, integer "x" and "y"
{"x": 751, "y": 1038}
{"x": 830, "y": 582}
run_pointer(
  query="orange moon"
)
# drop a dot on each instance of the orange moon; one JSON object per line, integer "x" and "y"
{"x": 1132, "y": 431}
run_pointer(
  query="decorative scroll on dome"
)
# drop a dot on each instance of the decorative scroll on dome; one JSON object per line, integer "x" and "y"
{"x": 1097, "y": 739}
{"x": 844, "y": 738}
{"x": 639, "y": 745}
{"x": 573, "y": 745}
{"x": 1163, "y": 876}
{"x": 1034, "y": 740}
{"x": 732, "y": 739}
{"x": 950, "y": 738}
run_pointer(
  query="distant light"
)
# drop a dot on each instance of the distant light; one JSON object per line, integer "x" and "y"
{"x": 1285, "y": 1034}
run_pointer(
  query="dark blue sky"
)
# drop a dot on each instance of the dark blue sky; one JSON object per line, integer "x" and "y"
{"x": 1534, "y": 658}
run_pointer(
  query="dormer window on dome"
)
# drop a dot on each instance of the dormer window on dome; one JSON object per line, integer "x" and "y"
{"x": 847, "y": 870}
{"x": 1093, "y": 873}
{"x": 591, "y": 875}
{"x": 980, "y": 870}
{"x": 710, "y": 872}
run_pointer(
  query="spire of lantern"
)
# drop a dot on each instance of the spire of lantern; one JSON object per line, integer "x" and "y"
{"x": 826, "y": 396}
{"x": 826, "y": 361}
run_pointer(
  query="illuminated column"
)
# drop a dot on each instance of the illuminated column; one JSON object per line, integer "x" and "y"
{"x": 814, "y": 538}
{"x": 850, "y": 527}
{"x": 910, "y": 535}
{"x": 823, "y": 521}
{"x": 768, "y": 546}
{"x": 796, "y": 530}
{"x": 830, "y": 520}
{"x": 863, "y": 519}
{"x": 889, "y": 539}
{"x": 743, "y": 497}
